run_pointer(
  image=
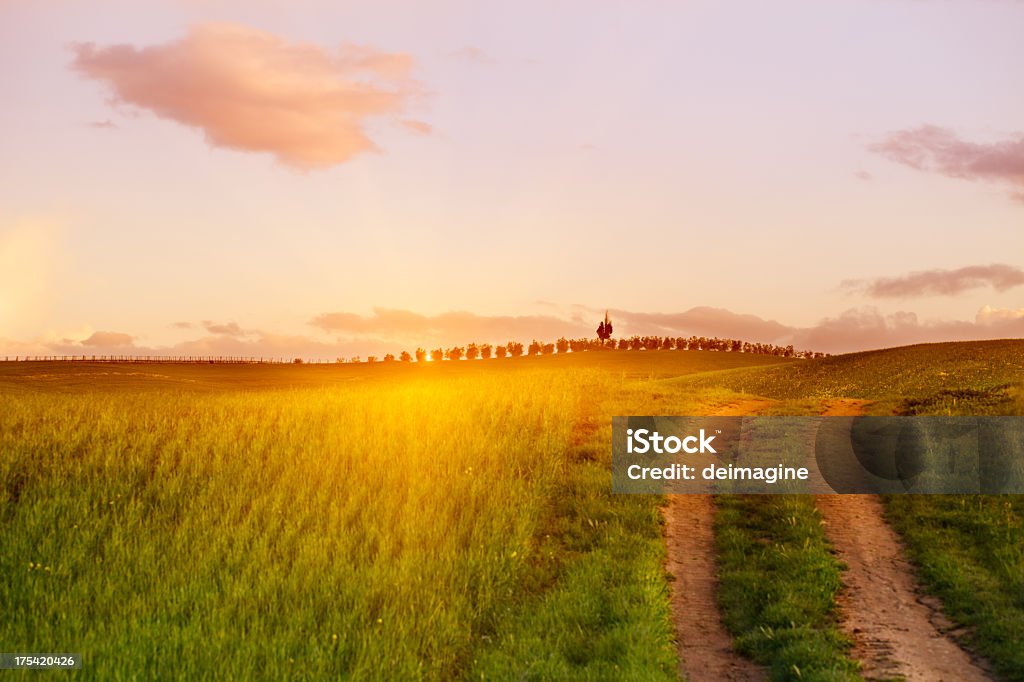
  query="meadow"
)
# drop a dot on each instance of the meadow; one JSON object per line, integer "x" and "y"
{"x": 445, "y": 520}
{"x": 967, "y": 549}
{"x": 430, "y": 521}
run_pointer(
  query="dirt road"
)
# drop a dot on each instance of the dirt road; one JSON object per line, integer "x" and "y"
{"x": 705, "y": 648}
{"x": 896, "y": 632}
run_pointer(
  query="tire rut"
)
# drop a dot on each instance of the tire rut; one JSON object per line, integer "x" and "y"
{"x": 705, "y": 647}
{"x": 897, "y": 632}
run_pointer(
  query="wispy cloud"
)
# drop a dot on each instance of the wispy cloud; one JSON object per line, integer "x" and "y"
{"x": 109, "y": 340}
{"x": 387, "y": 330}
{"x": 867, "y": 328}
{"x": 939, "y": 150}
{"x": 250, "y": 90}
{"x": 989, "y": 315}
{"x": 224, "y": 329}
{"x": 854, "y": 329}
{"x": 702, "y": 321}
{"x": 940, "y": 282}
{"x": 449, "y": 327}
{"x": 259, "y": 344}
{"x": 574, "y": 321}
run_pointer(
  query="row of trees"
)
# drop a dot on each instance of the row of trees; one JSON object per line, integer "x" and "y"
{"x": 515, "y": 349}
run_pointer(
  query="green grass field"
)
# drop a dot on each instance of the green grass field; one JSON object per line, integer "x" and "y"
{"x": 376, "y": 521}
{"x": 778, "y": 586}
{"x": 440, "y": 521}
{"x": 968, "y": 549}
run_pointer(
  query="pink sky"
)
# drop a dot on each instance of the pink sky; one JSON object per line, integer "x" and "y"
{"x": 335, "y": 179}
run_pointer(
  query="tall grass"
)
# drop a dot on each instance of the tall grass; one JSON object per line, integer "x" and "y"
{"x": 377, "y": 531}
{"x": 969, "y": 549}
{"x": 435, "y": 522}
{"x": 970, "y": 553}
{"x": 779, "y": 582}
{"x": 966, "y": 548}
{"x": 427, "y": 526}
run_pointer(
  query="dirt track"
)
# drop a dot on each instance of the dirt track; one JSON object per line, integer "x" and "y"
{"x": 705, "y": 648}
{"x": 896, "y": 632}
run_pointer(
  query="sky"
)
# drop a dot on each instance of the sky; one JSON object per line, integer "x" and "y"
{"x": 324, "y": 179}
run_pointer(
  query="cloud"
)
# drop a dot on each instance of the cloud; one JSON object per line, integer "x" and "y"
{"x": 103, "y": 125}
{"x": 862, "y": 175}
{"x": 462, "y": 327}
{"x": 269, "y": 345}
{"x": 259, "y": 345}
{"x": 182, "y": 325}
{"x": 853, "y": 330}
{"x": 701, "y": 321}
{"x": 867, "y": 328}
{"x": 109, "y": 340}
{"x": 409, "y": 328}
{"x": 250, "y": 90}
{"x": 392, "y": 331}
{"x": 939, "y": 150}
{"x": 226, "y": 329}
{"x": 940, "y": 282}
{"x": 988, "y": 315}
{"x": 449, "y": 327}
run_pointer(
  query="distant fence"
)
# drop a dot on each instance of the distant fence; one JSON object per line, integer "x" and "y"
{"x": 156, "y": 359}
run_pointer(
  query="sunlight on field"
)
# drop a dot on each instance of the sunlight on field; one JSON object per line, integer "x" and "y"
{"x": 395, "y": 522}
{"x": 375, "y": 529}
{"x": 413, "y": 522}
